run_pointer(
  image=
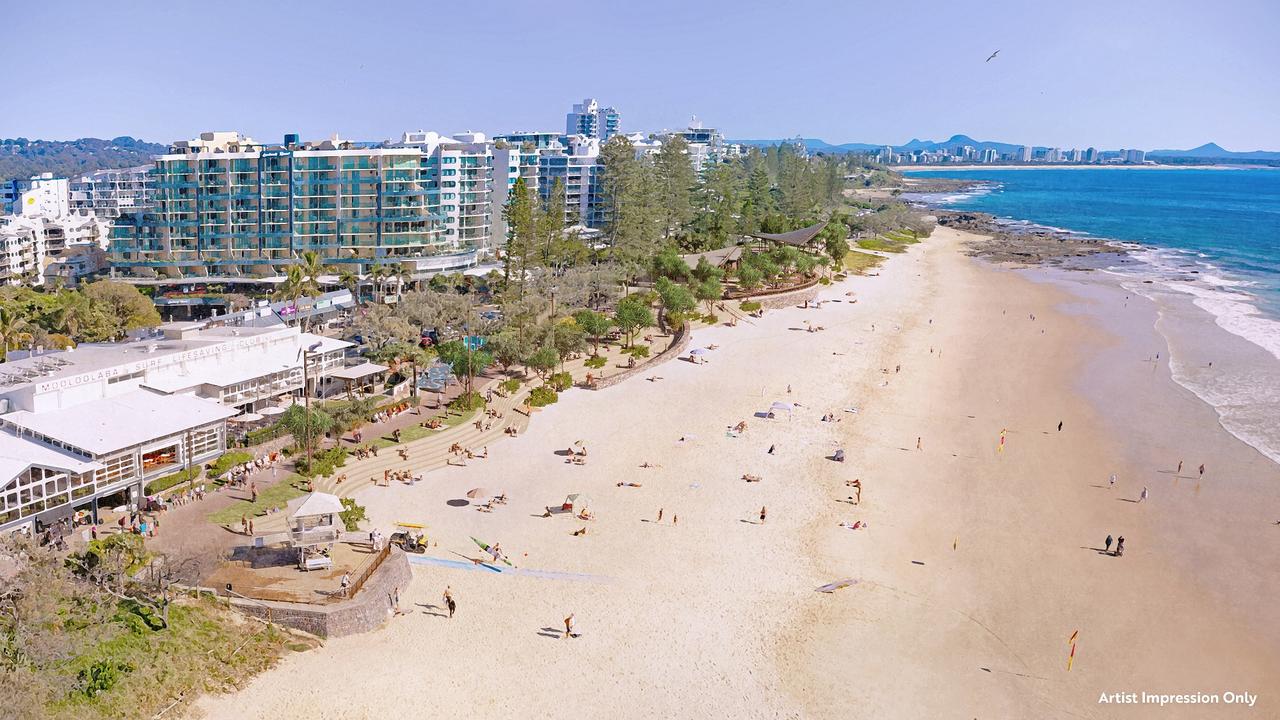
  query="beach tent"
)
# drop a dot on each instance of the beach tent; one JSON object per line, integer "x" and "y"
{"x": 576, "y": 503}
{"x": 782, "y": 406}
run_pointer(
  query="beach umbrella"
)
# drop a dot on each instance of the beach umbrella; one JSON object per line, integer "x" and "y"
{"x": 699, "y": 351}
{"x": 474, "y": 493}
{"x": 273, "y": 410}
{"x": 247, "y": 417}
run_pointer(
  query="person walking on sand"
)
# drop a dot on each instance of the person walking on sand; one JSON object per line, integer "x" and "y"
{"x": 763, "y": 512}
{"x": 1201, "y": 470}
{"x": 449, "y": 603}
{"x": 568, "y": 627}
{"x": 675, "y": 519}
{"x": 918, "y": 441}
{"x": 1108, "y": 544}
{"x": 659, "y": 514}
{"x": 1112, "y": 481}
{"x": 1120, "y": 546}
{"x": 1179, "y": 470}
{"x": 771, "y": 449}
{"x": 1143, "y": 495}
{"x": 1059, "y": 426}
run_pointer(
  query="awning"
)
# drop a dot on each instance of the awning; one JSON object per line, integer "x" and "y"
{"x": 247, "y": 418}
{"x": 356, "y": 372}
{"x": 318, "y": 503}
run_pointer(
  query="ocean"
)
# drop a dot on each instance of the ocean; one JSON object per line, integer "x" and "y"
{"x": 1205, "y": 238}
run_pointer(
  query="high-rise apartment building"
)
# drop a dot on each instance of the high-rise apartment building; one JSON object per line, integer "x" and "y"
{"x": 111, "y": 193}
{"x": 576, "y": 165}
{"x": 1024, "y": 154}
{"x": 227, "y": 206}
{"x": 589, "y": 119}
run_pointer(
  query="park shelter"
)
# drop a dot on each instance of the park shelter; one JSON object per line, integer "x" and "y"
{"x": 798, "y": 238}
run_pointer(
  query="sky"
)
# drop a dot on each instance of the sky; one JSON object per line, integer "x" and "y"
{"x": 1134, "y": 73}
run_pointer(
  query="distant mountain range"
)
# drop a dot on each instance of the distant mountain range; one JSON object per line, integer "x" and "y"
{"x": 22, "y": 158}
{"x": 1214, "y": 151}
{"x": 1206, "y": 151}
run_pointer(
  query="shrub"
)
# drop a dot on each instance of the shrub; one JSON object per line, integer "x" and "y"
{"x": 595, "y": 362}
{"x": 323, "y": 463}
{"x": 168, "y": 481}
{"x": 227, "y": 461}
{"x": 467, "y": 402}
{"x": 824, "y": 281}
{"x": 510, "y": 385}
{"x": 710, "y": 318}
{"x": 352, "y": 515}
{"x": 100, "y": 677}
{"x": 261, "y": 435}
{"x": 749, "y": 306}
{"x": 637, "y": 351}
{"x": 542, "y": 396}
{"x": 561, "y": 381}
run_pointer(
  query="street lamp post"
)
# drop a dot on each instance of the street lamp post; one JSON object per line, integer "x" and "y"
{"x": 306, "y": 400}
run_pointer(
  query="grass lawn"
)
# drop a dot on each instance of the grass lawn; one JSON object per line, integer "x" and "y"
{"x": 417, "y": 432}
{"x": 277, "y": 495}
{"x": 859, "y": 263}
{"x": 894, "y": 242}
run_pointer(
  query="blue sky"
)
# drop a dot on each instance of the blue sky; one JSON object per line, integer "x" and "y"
{"x": 1133, "y": 73}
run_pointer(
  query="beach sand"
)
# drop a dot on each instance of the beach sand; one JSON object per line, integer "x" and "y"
{"x": 716, "y": 616}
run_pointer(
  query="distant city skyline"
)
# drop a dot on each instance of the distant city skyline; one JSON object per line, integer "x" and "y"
{"x": 1141, "y": 74}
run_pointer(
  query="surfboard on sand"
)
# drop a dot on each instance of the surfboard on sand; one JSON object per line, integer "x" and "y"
{"x": 837, "y": 585}
{"x": 485, "y": 547}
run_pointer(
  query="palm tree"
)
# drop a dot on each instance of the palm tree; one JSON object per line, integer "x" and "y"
{"x": 403, "y": 276}
{"x": 348, "y": 279}
{"x": 378, "y": 274}
{"x": 12, "y": 328}
{"x": 312, "y": 268}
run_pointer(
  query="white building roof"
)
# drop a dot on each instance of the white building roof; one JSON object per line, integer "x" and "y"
{"x": 327, "y": 344}
{"x": 104, "y": 426}
{"x": 17, "y": 454}
{"x": 318, "y": 503}
{"x": 358, "y": 371}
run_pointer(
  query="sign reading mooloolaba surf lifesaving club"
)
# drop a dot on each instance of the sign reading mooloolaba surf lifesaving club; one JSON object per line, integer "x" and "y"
{"x": 142, "y": 365}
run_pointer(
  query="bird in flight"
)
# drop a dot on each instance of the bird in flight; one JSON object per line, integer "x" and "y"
{"x": 993, "y": 55}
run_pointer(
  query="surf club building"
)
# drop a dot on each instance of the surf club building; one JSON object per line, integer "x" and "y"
{"x": 104, "y": 420}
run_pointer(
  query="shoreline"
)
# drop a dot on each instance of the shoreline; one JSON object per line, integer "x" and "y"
{"x": 975, "y": 631}
{"x": 1073, "y": 166}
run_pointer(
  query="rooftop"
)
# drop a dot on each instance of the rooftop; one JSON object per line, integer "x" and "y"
{"x": 97, "y": 426}
{"x": 17, "y": 454}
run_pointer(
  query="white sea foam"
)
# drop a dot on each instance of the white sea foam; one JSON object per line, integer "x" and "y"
{"x": 1246, "y": 399}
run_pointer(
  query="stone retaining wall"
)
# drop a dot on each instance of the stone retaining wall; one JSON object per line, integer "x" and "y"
{"x": 367, "y": 611}
{"x": 787, "y": 299}
{"x": 679, "y": 342}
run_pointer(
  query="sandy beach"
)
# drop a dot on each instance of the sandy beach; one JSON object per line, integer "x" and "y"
{"x": 972, "y": 568}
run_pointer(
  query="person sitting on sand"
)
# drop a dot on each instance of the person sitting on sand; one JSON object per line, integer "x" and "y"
{"x": 741, "y": 427}
{"x": 580, "y": 531}
{"x": 752, "y": 478}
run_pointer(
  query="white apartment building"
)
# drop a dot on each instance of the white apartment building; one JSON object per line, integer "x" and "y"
{"x": 589, "y": 119}
{"x": 110, "y": 193}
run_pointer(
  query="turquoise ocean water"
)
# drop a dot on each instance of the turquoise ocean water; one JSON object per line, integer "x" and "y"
{"x": 1206, "y": 239}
